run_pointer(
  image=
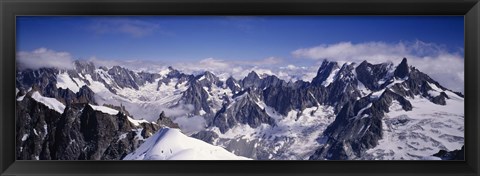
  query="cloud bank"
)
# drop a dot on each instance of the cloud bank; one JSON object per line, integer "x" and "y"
{"x": 43, "y": 57}
{"x": 435, "y": 60}
{"x": 239, "y": 69}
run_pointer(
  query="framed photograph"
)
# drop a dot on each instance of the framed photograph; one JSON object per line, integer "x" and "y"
{"x": 251, "y": 87}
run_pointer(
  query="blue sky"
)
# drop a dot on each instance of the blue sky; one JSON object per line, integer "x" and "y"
{"x": 196, "y": 37}
{"x": 290, "y": 47}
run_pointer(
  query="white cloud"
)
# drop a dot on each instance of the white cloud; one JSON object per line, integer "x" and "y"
{"x": 430, "y": 58}
{"x": 136, "y": 65}
{"x": 43, "y": 57}
{"x": 133, "y": 27}
{"x": 226, "y": 68}
{"x": 213, "y": 63}
{"x": 191, "y": 125}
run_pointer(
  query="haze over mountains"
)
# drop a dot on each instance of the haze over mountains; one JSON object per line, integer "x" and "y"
{"x": 347, "y": 111}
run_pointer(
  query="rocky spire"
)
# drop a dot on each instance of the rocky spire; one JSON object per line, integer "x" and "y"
{"x": 402, "y": 69}
{"x": 324, "y": 72}
{"x": 163, "y": 120}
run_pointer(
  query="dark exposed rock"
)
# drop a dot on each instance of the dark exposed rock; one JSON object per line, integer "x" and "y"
{"x": 358, "y": 127}
{"x": 252, "y": 80}
{"x": 374, "y": 77}
{"x": 207, "y": 136}
{"x": 440, "y": 99}
{"x": 35, "y": 129}
{"x": 271, "y": 80}
{"x": 344, "y": 88}
{"x": 208, "y": 79}
{"x": 324, "y": 71}
{"x": 124, "y": 78}
{"x": 233, "y": 85}
{"x": 284, "y": 99}
{"x": 85, "y": 95}
{"x": 44, "y": 79}
{"x": 165, "y": 121}
{"x": 85, "y": 67}
{"x": 402, "y": 69}
{"x": 244, "y": 111}
{"x": 79, "y": 133}
{"x": 197, "y": 96}
{"x": 451, "y": 155}
{"x": 181, "y": 78}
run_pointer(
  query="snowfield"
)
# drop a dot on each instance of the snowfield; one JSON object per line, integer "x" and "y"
{"x": 65, "y": 82}
{"x": 422, "y": 132}
{"x": 171, "y": 144}
{"x": 147, "y": 102}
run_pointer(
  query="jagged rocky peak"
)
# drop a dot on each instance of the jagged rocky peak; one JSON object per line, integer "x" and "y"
{"x": 375, "y": 76}
{"x": 324, "y": 72}
{"x": 251, "y": 80}
{"x": 252, "y": 76}
{"x": 402, "y": 69}
{"x": 244, "y": 110}
{"x": 272, "y": 80}
{"x": 209, "y": 75}
{"x": 172, "y": 72}
{"x": 208, "y": 79}
{"x": 85, "y": 95}
{"x": 233, "y": 84}
{"x": 81, "y": 132}
{"x": 118, "y": 70}
{"x": 84, "y": 67}
{"x": 147, "y": 77}
{"x": 124, "y": 77}
{"x": 197, "y": 96}
{"x": 103, "y": 68}
{"x": 358, "y": 125}
{"x": 42, "y": 77}
{"x": 163, "y": 120}
{"x": 346, "y": 72}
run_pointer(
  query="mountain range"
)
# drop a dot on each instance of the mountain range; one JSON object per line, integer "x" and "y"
{"x": 347, "y": 111}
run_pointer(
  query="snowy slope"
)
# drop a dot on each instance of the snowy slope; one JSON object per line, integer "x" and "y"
{"x": 147, "y": 102}
{"x": 422, "y": 132}
{"x": 51, "y": 103}
{"x": 104, "y": 109}
{"x": 111, "y": 111}
{"x": 64, "y": 81}
{"x": 171, "y": 144}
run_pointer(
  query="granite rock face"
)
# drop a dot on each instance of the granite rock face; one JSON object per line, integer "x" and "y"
{"x": 358, "y": 125}
{"x": 79, "y": 133}
{"x": 244, "y": 111}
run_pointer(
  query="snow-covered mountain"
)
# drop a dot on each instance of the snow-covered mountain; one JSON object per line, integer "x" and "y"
{"x": 348, "y": 111}
{"x": 171, "y": 144}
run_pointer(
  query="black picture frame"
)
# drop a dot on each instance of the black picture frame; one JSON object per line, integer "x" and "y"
{"x": 11, "y": 8}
